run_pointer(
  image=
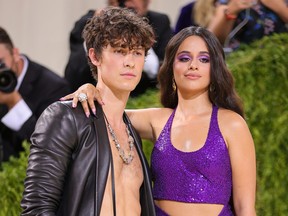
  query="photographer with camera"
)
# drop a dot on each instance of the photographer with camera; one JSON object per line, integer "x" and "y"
{"x": 26, "y": 89}
{"x": 77, "y": 70}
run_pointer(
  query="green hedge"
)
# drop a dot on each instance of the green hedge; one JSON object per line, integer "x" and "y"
{"x": 260, "y": 71}
{"x": 12, "y": 177}
{"x": 261, "y": 74}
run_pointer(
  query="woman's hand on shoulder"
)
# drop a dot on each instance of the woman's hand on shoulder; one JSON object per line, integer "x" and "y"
{"x": 89, "y": 94}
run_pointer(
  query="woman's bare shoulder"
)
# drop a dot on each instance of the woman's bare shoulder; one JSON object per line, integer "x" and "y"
{"x": 232, "y": 124}
{"x": 230, "y": 118}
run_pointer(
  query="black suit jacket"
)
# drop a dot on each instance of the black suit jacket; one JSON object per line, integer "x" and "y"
{"x": 161, "y": 25}
{"x": 40, "y": 88}
{"x": 77, "y": 70}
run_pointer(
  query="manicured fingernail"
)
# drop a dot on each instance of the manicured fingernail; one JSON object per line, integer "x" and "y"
{"x": 73, "y": 105}
{"x": 87, "y": 114}
{"x": 94, "y": 111}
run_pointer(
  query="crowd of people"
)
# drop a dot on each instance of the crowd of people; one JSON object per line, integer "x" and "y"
{"x": 234, "y": 22}
{"x": 242, "y": 22}
{"x": 203, "y": 159}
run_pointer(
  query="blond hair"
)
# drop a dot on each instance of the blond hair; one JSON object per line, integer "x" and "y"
{"x": 203, "y": 11}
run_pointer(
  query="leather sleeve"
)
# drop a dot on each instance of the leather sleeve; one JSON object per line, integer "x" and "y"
{"x": 52, "y": 145}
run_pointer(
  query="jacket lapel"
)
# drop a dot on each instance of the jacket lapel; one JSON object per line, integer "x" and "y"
{"x": 103, "y": 157}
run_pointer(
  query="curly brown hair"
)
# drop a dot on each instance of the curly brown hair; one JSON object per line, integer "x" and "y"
{"x": 116, "y": 27}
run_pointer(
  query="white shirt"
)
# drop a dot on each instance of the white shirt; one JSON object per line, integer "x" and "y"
{"x": 151, "y": 65}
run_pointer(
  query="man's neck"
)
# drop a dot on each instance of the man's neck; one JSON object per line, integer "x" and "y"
{"x": 114, "y": 111}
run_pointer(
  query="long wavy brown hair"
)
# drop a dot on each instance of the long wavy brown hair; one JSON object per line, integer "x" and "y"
{"x": 222, "y": 92}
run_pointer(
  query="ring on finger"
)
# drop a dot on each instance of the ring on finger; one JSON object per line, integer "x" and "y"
{"x": 82, "y": 97}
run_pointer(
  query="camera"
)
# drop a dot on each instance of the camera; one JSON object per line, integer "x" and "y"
{"x": 8, "y": 79}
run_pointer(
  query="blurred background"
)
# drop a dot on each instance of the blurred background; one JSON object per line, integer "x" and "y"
{"x": 40, "y": 28}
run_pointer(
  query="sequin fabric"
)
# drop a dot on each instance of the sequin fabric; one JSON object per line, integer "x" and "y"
{"x": 203, "y": 176}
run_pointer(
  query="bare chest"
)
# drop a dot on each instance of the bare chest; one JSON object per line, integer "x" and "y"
{"x": 128, "y": 179}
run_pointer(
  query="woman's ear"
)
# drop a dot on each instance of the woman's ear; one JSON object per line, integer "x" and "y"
{"x": 93, "y": 58}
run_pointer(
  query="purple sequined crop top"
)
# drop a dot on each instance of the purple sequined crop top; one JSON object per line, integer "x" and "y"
{"x": 203, "y": 176}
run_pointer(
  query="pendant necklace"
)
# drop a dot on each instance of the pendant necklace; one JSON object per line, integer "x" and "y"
{"x": 127, "y": 160}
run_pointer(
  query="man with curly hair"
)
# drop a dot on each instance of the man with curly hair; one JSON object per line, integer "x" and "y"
{"x": 95, "y": 166}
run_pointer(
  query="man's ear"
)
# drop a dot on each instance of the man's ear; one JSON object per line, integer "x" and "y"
{"x": 93, "y": 58}
{"x": 16, "y": 54}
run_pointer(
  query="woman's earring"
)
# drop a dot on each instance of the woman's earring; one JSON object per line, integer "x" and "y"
{"x": 174, "y": 85}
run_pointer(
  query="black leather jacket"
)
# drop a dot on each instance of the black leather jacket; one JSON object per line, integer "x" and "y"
{"x": 69, "y": 163}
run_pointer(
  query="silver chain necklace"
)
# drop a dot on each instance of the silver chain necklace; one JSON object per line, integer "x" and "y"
{"x": 127, "y": 160}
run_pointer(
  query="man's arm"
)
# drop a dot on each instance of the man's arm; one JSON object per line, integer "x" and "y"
{"x": 50, "y": 154}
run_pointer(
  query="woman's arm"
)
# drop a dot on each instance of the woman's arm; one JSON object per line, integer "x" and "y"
{"x": 225, "y": 15}
{"x": 147, "y": 122}
{"x": 280, "y": 7}
{"x": 243, "y": 162}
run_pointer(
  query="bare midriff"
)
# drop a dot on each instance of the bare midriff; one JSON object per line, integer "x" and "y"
{"x": 174, "y": 208}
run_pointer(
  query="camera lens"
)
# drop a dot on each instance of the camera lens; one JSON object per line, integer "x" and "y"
{"x": 8, "y": 81}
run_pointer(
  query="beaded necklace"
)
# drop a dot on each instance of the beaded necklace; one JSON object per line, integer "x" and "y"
{"x": 127, "y": 160}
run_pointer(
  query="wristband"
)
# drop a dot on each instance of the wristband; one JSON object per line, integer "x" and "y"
{"x": 229, "y": 16}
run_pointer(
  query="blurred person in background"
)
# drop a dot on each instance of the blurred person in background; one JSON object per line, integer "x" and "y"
{"x": 26, "y": 89}
{"x": 249, "y": 20}
{"x": 197, "y": 13}
{"x": 77, "y": 71}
